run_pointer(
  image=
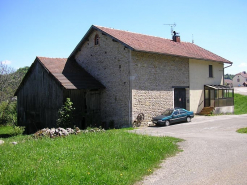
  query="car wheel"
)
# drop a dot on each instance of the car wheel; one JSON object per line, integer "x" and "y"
{"x": 167, "y": 123}
{"x": 188, "y": 119}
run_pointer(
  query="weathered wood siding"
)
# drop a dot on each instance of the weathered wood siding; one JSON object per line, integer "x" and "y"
{"x": 87, "y": 107}
{"x": 39, "y": 99}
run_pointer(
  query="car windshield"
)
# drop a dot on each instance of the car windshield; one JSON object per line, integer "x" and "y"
{"x": 167, "y": 112}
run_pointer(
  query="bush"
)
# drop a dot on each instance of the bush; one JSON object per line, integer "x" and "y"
{"x": 4, "y": 113}
{"x": 65, "y": 115}
{"x": 8, "y": 114}
{"x": 18, "y": 130}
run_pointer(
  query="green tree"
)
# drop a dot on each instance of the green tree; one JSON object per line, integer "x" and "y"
{"x": 9, "y": 81}
{"x": 228, "y": 76}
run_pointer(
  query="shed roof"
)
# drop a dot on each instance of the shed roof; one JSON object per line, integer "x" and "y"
{"x": 152, "y": 44}
{"x": 69, "y": 73}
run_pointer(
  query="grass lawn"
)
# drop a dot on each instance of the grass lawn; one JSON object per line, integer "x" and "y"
{"x": 9, "y": 131}
{"x": 242, "y": 130}
{"x": 240, "y": 104}
{"x": 240, "y": 107}
{"x": 111, "y": 157}
{"x": 6, "y": 131}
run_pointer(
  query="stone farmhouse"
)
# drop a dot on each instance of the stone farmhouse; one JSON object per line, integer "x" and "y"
{"x": 239, "y": 79}
{"x": 112, "y": 76}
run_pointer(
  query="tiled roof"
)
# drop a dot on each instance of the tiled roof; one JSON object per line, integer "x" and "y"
{"x": 243, "y": 74}
{"x": 228, "y": 81}
{"x": 69, "y": 73}
{"x": 146, "y": 43}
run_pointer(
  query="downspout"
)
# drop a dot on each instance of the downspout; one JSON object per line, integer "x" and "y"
{"x": 130, "y": 88}
{"x": 224, "y": 73}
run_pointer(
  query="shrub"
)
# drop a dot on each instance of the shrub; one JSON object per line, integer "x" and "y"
{"x": 18, "y": 130}
{"x": 65, "y": 114}
{"x": 4, "y": 112}
{"x": 8, "y": 113}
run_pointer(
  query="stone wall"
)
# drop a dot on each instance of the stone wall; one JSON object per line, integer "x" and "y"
{"x": 153, "y": 77}
{"x": 108, "y": 62}
{"x": 136, "y": 82}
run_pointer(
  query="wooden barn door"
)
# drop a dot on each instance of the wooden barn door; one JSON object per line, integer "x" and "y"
{"x": 93, "y": 118}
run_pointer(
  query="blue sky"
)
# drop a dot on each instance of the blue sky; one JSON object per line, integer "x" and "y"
{"x": 53, "y": 28}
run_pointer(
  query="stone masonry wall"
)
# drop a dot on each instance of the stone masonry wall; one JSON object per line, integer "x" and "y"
{"x": 153, "y": 76}
{"x": 108, "y": 62}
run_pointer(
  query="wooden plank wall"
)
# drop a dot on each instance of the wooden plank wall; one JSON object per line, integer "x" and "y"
{"x": 39, "y": 99}
{"x": 87, "y": 107}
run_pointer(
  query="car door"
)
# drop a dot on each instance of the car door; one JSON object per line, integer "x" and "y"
{"x": 175, "y": 116}
{"x": 183, "y": 115}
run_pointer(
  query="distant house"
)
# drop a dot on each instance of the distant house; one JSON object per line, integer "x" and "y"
{"x": 239, "y": 79}
{"x": 228, "y": 82}
{"x": 123, "y": 75}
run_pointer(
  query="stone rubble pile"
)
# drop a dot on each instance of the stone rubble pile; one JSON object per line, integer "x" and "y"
{"x": 56, "y": 132}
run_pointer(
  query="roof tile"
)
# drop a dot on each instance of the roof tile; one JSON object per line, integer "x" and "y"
{"x": 70, "y": 74}
{"x": 146, "y": 43}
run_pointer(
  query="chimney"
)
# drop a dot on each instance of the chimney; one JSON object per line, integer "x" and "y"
{"x": 175, "y": 37}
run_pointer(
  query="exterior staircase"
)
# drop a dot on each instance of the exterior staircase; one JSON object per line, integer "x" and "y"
{"x": 206, "y": 110}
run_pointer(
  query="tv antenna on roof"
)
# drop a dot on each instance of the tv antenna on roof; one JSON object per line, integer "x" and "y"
{"x": 172, "y": 25}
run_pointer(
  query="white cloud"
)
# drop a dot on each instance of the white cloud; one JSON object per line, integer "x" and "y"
{"x": 242, "y": 64}
{"x": 6, "y": 62}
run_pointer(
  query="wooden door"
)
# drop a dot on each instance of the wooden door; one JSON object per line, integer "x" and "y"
{"x": 180, "y": 98}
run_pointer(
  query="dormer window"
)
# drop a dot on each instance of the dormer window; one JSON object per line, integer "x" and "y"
{"x": 96, "y": 39}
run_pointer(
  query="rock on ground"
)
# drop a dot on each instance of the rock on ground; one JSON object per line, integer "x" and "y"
{"x": 1, "y": 142}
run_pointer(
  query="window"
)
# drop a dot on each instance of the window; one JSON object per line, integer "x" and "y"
{"x": 238, "y": 80}
{"x": 182, "y": 112}
{"x": 96, "y": 39}
{"x": 210, "y": 71}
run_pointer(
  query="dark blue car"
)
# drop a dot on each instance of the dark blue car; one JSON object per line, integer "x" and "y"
{"x": 173, "y": 116}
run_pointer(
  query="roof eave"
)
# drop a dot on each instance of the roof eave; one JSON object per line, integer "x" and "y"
{"x": 226, "y": 62}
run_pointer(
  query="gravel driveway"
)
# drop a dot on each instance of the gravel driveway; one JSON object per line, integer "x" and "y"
{"x": 213, "y": 152}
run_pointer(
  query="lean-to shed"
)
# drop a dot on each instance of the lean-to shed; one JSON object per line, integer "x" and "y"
{"x": 45, "y": 88}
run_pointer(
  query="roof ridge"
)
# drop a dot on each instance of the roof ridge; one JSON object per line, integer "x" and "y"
{"x": 51, "y": 57}
{"x": 137, "y": 33}
{"x": 153, "y": 44}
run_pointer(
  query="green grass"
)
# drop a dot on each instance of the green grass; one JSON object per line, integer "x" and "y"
{"x": 9, "y": 131}
{"x": 111, "y": 157}
{"x": 6, "y": 131}
{"x": 240, "y": 104}
{"x": 242, "y": 130}
{"x": 240, "y": 107}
